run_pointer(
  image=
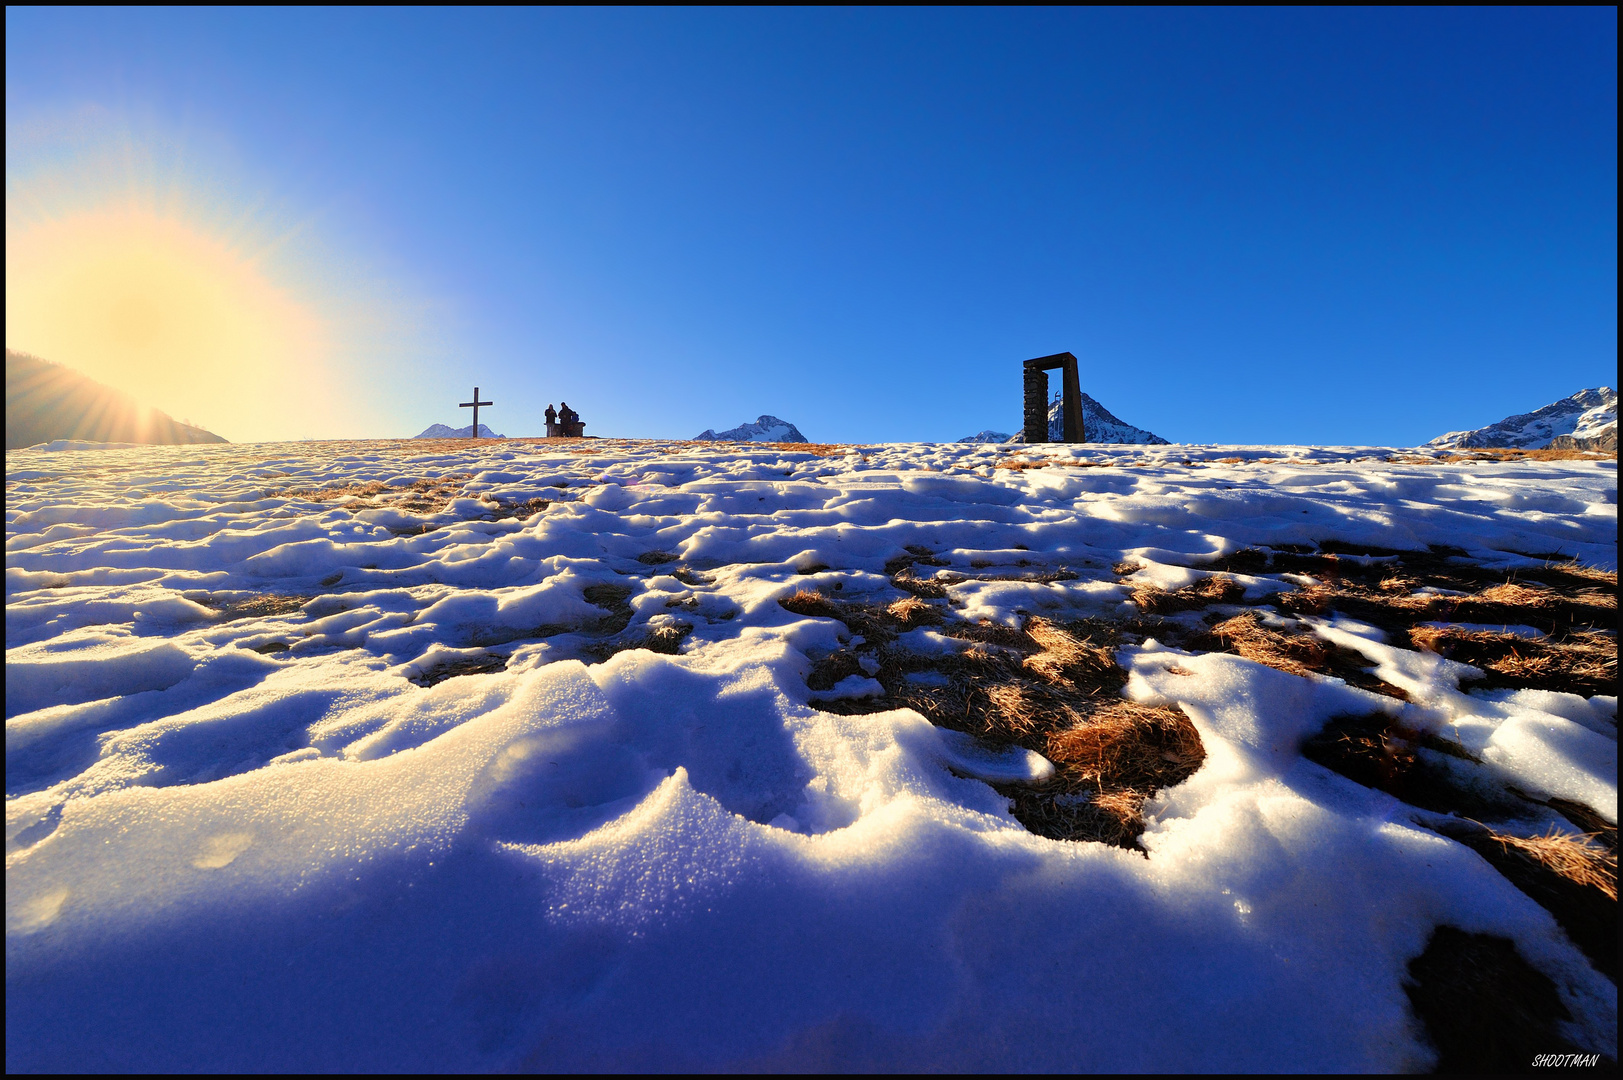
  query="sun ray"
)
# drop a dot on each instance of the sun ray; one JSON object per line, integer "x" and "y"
{"x": 156, "y": 308}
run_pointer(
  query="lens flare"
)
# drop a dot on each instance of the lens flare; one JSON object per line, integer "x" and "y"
{"x": 158, "y": 308}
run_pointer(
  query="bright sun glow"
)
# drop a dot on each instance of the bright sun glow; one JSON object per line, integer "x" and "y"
{"x": 178, "y": 320}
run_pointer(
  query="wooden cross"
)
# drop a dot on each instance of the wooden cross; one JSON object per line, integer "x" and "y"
{"x": 475, "y": 403}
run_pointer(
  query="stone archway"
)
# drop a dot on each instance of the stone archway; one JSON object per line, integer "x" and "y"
{"x": 1036, "y": 372}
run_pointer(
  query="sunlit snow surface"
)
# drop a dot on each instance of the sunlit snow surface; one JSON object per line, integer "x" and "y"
{"x": 224, "y": 854}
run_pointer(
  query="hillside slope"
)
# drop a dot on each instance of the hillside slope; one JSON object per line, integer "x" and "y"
{"x": 46, "y": 401}
{"x": 1586, "y": 420}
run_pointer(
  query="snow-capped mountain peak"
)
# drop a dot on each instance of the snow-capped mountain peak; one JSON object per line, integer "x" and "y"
{"x": 767, "y": 428}
{"x": 1586, "y": 419}
{"x": 1099, "y": 425}
{"x": 441, "y": 431}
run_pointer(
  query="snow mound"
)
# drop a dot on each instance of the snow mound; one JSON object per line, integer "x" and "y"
{"x": 767, "y": 428}
{"x": 440, "y": 431}
{"x": 1586, "y": 420}
{"x": 1099, "y": 425}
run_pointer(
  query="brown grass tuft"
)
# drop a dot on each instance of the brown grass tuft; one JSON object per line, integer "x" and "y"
{"x": 1049, "y": 687}
{"x": 1107, "y": 766}
{"x": 1579, "y": 858}
{"x": 1580, "y": 662}
{"x": 1216, "y": 589}
{"x": 1572, "y": 877}
{"x": 911, "y": 611}
{"x": 1064, "y": 659}
{"x": 1124, "y": 745}
{"x": 809, "y": 602}
{"x": 1245, "y": 635}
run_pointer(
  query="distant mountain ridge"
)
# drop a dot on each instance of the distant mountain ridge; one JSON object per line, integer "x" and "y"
{"x": 767, "y": 428}
{"x": 47, "y": 401}
{"x": 1099, "y": 425}
{"x": 440, "y": 431}
{"x": 1585, "y": 421}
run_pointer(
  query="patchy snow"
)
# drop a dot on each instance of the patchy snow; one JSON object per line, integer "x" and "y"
{"x": 1588, "y": 414}
{"x": 247, "y": 829}
{"x": 441, "y": 431}
{"x": 987, "y": 436}
{"x": 766, "y": 428}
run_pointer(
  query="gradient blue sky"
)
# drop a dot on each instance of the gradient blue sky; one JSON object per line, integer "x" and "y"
{"x": 1319, "y": 226}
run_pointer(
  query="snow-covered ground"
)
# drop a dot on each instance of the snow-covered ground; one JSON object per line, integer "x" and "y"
{"x": 243, "y": 834}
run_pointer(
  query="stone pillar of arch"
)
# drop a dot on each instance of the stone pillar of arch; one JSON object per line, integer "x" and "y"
{"x": 1036, "y": 398}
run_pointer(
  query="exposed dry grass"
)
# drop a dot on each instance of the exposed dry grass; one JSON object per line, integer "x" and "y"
{"x": 1583, "y": 572}
{"x": 1216, "y": 589}
{"x": 1380, "y": 751}
{"x": 428, "y": 496}
{"x": 1019, "y": 463}
{"x": 252, "y": 606}
{"x": 1579, "y": 858}
{"x": 1049, "y": 687}
{"x": 526, "y": 509}
{"x": 809, "y": 602}
{"x": 816, "y": 449}
{"x": 1245, "y": 635}
{"x": 1494, "y": 453}
{"x": 1055, "y": 689}
{"x": 1580, "y": 662}
{"x": 910, "y": 611}
{"x": 1565, "y": 599}
{"x": 1297, "y": 652}
{"x": 1570, "y": 876}
{"x": 1063, "y": 660}
{"x": 334, "y": 493}
{"x": 1108, "y": 764}
{"x": 472, "y": 665}
{"x": 611, "y": 598}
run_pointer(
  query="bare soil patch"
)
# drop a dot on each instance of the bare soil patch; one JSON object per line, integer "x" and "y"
{"x": 1485, "y": 1008}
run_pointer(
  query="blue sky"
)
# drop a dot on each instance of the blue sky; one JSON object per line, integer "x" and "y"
{"x": 1325, "y": 226}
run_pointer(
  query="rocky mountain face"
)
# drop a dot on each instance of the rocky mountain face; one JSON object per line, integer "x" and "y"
{"x": 767, "y": 428}
{"x": 440, "y": 431}
{"x": 46, "y": 402}
{"x": 1099, "y": 425}
{"x": 987, "y": 436}
{"x": 1585, "y": 421}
